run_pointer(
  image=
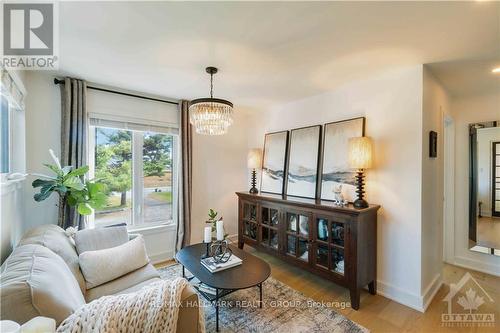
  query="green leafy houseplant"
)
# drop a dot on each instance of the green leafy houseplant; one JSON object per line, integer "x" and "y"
{"x": 71, "y": 186}
{"x": 212, "y": 219}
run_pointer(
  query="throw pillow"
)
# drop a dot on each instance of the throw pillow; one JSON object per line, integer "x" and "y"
{"x": 100, "y": 238}
{"x": 102, "y": 266}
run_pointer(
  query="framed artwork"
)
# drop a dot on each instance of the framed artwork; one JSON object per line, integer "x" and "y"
{"x": 336, "y": 174}
{"x": 274, "y": 162}
{"x": 303, "y": 161}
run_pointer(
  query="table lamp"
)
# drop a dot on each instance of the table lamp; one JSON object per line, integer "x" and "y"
{"x": 254, "y": 162}
{"x": 360, "y": 158}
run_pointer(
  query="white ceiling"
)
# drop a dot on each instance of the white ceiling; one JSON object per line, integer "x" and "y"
{"x": 468, "y": 77}
{"x": 267, "y": 52}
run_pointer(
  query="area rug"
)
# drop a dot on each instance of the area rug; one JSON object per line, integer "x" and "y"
{"x": 284, "y": 310}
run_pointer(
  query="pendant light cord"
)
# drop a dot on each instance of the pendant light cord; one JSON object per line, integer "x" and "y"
{"x": 211, "y": 85}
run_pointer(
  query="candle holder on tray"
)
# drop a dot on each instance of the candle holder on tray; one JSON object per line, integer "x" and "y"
{"x": 220, "y": 251}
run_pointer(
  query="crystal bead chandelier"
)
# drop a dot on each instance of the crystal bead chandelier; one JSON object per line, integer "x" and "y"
{"x": 211, "y": 116}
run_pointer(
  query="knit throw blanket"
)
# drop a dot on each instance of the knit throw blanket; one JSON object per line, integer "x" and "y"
{"x": 154, "y": 308}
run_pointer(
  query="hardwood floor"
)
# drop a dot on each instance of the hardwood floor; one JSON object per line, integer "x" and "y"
{"x": 488, "y": 232}
{"x": 380, "y": 314}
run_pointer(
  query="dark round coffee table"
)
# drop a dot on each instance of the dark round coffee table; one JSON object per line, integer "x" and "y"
{"x": 251, "y": 273}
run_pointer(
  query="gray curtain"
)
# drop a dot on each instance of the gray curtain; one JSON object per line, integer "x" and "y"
{"x": 74, "y": 128}
{"x": 185, "y": 178}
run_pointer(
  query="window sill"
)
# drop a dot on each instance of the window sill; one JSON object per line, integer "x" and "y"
{"x": 168, "y": 226}
{"x": 10, "y": 185}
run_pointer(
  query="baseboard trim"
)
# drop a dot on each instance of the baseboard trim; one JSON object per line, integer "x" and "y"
{"x": 431, "y": 291}
{"x": 476, "y": 265}
{"x": 416, "y": 302}
{"x": 400, "y": 296}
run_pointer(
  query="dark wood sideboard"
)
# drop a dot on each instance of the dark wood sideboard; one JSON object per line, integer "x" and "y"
{"x": 337, "y": 243}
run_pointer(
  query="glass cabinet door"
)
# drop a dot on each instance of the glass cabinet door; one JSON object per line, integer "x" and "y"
{"x": 269, "y": 225}
{"x": 249, "y": 213}
{"x": 297, "y": 235}
{"x": 329, "y": 244}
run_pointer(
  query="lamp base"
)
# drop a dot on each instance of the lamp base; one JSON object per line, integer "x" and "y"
{"x": 360, "y": 203}
{"x": 254, "y": 189}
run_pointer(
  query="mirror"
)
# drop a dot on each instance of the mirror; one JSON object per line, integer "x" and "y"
{"x": 484, "y": 187}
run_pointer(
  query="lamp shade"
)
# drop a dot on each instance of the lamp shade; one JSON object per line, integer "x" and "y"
{"x": 254, "y": 158}
{"x": 360, "y": 152}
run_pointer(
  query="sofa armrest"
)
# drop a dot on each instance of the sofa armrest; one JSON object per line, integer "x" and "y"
{"x": 188, "y": 322}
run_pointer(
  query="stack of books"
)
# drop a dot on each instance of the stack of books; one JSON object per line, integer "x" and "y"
{"x": 206, "y": 289}
{"x": 197, "y": 284}
{"x": 213, "y": 266}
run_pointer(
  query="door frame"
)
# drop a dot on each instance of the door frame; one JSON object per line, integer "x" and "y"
{"x": 449, "y": 189}
{"x": 494, "y": 154}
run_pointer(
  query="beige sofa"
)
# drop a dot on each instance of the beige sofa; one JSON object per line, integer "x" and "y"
{"x": 42, "y": 277}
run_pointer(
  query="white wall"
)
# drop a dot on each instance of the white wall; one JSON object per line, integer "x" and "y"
{"x": 436, "y": 104}
{"x": 485, "y": 137}
{"x": 467, "y": 110}
{"x": 219, "y": 170}
{"x": 43, "y": 130}
{"x": 392, "y": 105}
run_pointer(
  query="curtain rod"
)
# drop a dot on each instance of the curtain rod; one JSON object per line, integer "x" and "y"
{"x": 56, "y": 81}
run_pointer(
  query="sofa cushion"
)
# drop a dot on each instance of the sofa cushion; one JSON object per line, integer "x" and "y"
{"x": 54, "y": 238}
{"x": 138, "y": 286}
{"x": 102, "y": 266}
{"x": 124, "y": 283}
{"x": 37, "y": 282}
{"x": 100, "y": 238}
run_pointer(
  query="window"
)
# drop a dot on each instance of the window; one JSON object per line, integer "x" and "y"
{"x": 138, "y": 167}
{"x": 12, "y": 94}
{"x": 4, "y": 135}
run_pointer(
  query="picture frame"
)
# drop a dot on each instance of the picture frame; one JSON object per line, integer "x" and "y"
{"x": 336, "y": 175}
{"x": 304, "y": 147}
{"x": 274, "y": 161}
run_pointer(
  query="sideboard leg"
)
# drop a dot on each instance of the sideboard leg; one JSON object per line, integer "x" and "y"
{"x": 372, "y": 287}
{"x": 355, "y": 296}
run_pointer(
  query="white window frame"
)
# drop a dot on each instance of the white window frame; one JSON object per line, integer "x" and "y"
{"x": 137, "y": 216}
{"x": 13, "y": 90}
{"x": 9, "y": 142}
